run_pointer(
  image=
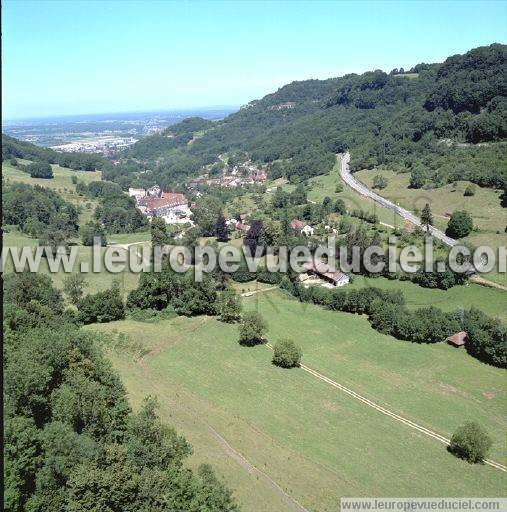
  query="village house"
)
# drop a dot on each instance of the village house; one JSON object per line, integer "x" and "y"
{"x": 301, "y": 227}
{"x": 241, "y": 175}
{"x": 320, "y": 270}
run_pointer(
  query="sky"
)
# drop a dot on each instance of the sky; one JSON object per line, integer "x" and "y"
{"x": 77, "y": 57}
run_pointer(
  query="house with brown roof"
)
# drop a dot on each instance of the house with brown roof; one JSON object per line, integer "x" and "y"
{"x": 301, "y": 227}
{"x": 458, "y": 339}
{"x": 321, "y": 270}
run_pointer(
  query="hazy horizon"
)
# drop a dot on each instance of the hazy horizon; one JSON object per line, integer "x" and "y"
{"x": 83, "y": 57}
{"x": 91, "y": 115}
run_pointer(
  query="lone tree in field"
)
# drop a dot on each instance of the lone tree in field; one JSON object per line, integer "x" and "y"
{"x": 286, "y": 354}
{"x": 221, "y": 230}
{"x": 252, "y": 329}
{"x": 426, "y": 217}
{"x": 470, "y": 442}
{"x": 73, "y": 287}
{"x": 460, "y": 224}
{"x": 470, "y": 190}
{"x": 379, "y": 182}
{"x": 229, "y": 305}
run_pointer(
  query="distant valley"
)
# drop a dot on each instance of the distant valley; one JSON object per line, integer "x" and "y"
{"x": 102, "y": 133}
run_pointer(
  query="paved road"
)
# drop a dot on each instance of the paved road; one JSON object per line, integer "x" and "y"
{"x": 362, "y": 189}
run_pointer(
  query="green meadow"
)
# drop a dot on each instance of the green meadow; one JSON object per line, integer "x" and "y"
{"x": 306, "y": 438}
{"x": 61, "y": 183}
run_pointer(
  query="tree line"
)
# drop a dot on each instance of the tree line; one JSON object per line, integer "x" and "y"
{"x": 71, "y": 440}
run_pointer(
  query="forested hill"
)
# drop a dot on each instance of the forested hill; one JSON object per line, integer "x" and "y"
{"x": 405, "y": 120}
{"x": 427, "y": 121}
{"x": 12, "y": 149}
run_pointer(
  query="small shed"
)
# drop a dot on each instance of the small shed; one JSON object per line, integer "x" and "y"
{"x": 458, "y": 339}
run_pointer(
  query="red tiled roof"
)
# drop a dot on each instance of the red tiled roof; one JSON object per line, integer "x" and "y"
{"x": 170, "y": 200}
{"x": 180, "y": 198}
{"x": 297, "y": 224}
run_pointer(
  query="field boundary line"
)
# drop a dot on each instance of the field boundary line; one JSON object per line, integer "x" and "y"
{"x": 387, "y": 412}
{"x": 225, "y": 445}
{"x": 242, "y": 461}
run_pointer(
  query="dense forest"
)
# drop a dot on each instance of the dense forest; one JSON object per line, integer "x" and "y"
{"x": 72, "y": 442}
{"x": 423, "y": 122}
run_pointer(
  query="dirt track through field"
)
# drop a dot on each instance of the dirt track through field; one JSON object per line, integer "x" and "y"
{"x": 234, "y": 454}
{"x": 387, "y": 412}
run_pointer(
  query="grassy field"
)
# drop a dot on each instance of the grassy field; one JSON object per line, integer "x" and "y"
{"x": 325, "y": 185}
{"x": 61, "y": 183}
{"x": 490, "y": 300}
{"x": 315, "y": 442}
{"x": 488, "y": 215}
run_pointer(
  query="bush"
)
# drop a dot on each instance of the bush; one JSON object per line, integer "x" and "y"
{"x": 264, "y": 276}
{"x": 379, "y": 182}
{"x": 469, "y": 191}
{"x": 286, "y": 354}
{"x": 102, "y": 307}
{"x": 470, "y": 442}
{"x": 460, "y": 224}
{"x": 40, "y": 170}
{"x": 90, "y": 231}
{"x": 252, "y": 329}
{"x": 229, "y": 305}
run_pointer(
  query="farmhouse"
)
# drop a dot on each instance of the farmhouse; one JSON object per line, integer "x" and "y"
{"x": 301, "y": 227}
{"x": 458, "y": 339}
{"x": 321, "y": 270}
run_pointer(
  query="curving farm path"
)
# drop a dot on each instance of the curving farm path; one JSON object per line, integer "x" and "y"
{"x": 387, "y": 412}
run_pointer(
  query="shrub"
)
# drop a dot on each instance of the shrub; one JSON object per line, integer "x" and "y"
{"x": 40, "y": 170}
{"x": 263, "y": 276}
{"x": 252, "y": 329}
{"x": 102, "y": 307}
{"x": 286, "y": 354}
{"x": 90, "y": 231}
{"x": 73, "y": 287}
{"x": 469, "y": 191}
{"x": 470, "y": 442}
{"x": 379, "y": 182}
{"x": 487, "y": 338}
{"x": 460, "y": 224}
{"x": 229, "y": 305}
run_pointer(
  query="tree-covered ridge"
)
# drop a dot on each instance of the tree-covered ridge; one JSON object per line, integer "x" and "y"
{"x": 71, "y": 441}
{"x": 14, "y": 148}
{"x": 469, "y": 82}
{"x": 36, "y": 209}
{"x": 397, "y": 120}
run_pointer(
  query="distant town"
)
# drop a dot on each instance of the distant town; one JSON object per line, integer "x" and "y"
{"x": 104, "y": 133}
